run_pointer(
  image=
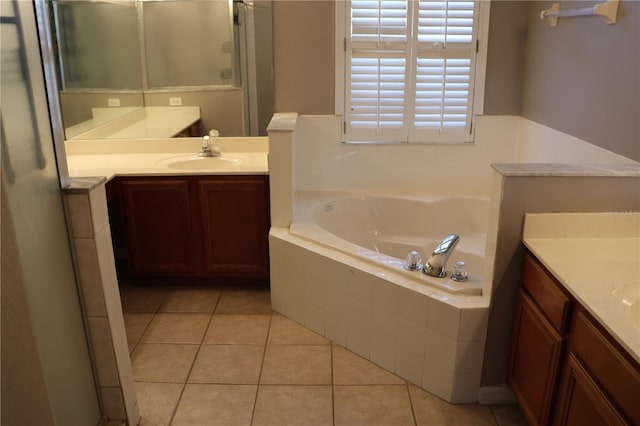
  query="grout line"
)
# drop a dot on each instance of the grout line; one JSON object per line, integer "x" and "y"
{"x": 195, "y": 358}
{"x": 264, "y": 355}
{"x": 413, "y": 411}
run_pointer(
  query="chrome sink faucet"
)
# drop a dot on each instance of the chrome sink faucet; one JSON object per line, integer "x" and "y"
{"x": 207, "y": 151}
{"x": 437, "y": 263}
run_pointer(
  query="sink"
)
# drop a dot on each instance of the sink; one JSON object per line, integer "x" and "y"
{"x": 194, "y": 162}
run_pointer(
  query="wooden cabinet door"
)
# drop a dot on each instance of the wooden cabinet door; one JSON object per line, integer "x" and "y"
{"x": 160, "y": 235}
{"x": 234, "y": 220}
{"x": 536, "y": 349}
{"x": 581, "y": 401}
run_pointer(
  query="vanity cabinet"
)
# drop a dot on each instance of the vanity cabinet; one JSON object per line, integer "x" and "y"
{"x": 540, "y": 320}
{"x": 565, "y": 368}
{"x": 195, "y": 226}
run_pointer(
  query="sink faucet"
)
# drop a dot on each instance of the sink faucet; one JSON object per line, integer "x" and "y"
{"x": 437, "y": 263}
{"x": 206, "y": 148}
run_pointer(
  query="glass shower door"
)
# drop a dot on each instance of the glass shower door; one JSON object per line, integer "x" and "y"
{"x": 31, "y": 191}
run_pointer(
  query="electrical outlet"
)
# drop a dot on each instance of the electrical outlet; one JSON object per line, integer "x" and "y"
{"x": 113, "y": 102}
{"x": 175, "y": 101}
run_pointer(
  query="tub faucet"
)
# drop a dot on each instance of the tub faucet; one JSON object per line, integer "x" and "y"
{"x": 206, "y": 148}
{"x": 437, "y": 263}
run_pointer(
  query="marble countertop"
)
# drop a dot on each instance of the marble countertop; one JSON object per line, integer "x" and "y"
{"x": 157, "y": 157}
{"x": 596, "y": 256}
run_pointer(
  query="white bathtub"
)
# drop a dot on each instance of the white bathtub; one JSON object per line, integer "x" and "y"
{"x": 337, "y": 270}
{"x": 383, "y": 230}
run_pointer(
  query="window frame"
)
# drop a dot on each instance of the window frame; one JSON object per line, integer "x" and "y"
{"x": 478, "y": 75}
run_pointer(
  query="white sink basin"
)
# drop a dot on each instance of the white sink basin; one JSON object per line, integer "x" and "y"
{"x": 194, "y": 162}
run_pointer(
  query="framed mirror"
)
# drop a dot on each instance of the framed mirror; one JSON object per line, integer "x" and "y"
{"x": 163, "y": 68}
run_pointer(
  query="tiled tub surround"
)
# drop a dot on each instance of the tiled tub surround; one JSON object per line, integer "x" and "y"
{"x": 432, "y": 339}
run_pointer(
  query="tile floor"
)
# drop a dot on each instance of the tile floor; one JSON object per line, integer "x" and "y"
{"x": 207, "y": 356}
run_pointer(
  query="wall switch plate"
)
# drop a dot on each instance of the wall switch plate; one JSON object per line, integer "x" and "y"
{"x": 175, "y": 101}
{"x": 113, "y": 102}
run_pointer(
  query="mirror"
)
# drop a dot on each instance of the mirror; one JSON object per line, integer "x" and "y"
{"x": 163, "y": 68}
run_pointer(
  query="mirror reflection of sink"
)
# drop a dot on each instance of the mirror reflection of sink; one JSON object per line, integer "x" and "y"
{"x": 193, "y": 162}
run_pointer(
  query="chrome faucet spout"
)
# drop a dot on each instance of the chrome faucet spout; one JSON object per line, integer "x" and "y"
{"x": 206, "y": 148}
{"x": 437, "y": 263}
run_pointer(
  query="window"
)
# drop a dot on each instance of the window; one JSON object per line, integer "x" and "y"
{"x": 410, "y": 68}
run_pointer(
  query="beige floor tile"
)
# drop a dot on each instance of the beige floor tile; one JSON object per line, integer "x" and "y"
{"x": 431, "y": 410}
{"x": 135, "y": 324}
{"x": 508, "y": 415}
{"x": 156, "y": 402}
{"x": 297, "y": 365}
{"x": 351, "y": 369}
{"x": 162, "y": 362}
{"x": 293, "y": 405}
{"x": 191, "y": 300}
{"x": 142, "y": 299}
{"x": 132, "y": 346}
{"x": 176, "y": 328}
{"x": 227, "y": 364}
{"x": 244, "y": 302}
{"x": 383, "y": 405}
{"x": 284, "y": 331}
{"x": 211, "y": 405}
{"x": 238, "y": 329}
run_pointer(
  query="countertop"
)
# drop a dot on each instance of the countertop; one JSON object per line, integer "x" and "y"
{"x": 596, "y": 256}
{"x": 155, "y": 157}
{"x": 135, "y": 122}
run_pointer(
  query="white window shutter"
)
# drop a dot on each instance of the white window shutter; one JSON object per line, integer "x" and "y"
{"x": 377, "y": 97}
{"x": 410, "y": 70}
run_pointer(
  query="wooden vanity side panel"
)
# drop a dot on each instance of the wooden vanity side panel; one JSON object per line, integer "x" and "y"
{"x": 536, "y": 350}
{"x": 159, "y": 227}
{"x": 546, "y": 292}
{"x": 234, "y": 214}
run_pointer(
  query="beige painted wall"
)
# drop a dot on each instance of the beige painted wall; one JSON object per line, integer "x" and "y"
{"x": 506, "y": 57}
{"x": 303, "y": 56}
{"x": 583, "y": 76}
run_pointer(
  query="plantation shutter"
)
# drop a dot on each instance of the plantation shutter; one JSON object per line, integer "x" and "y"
{"x": 410, "y": 70}
{"x": 377, "y": 68}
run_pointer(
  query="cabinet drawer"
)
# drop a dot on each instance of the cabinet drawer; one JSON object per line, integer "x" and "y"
{"x": 544, "y": 290}
{"x": 618, "y": 376}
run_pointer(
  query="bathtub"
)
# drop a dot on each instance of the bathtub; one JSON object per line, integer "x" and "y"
{"x": 383, "y": 230}
{"x": 338, "y": 270}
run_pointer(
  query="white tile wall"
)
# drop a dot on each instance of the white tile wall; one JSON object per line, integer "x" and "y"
{"x": 322, "y": 162}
